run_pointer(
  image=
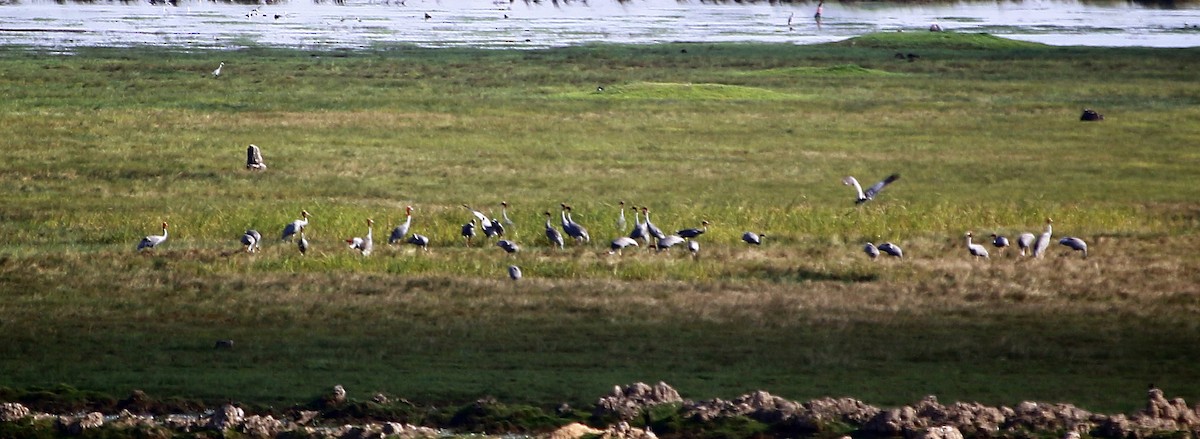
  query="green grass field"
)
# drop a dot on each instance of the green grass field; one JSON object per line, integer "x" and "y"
{"x": 98, "y": 148}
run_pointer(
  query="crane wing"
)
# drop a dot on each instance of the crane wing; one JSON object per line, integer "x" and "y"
{"x": 877, "y": 187}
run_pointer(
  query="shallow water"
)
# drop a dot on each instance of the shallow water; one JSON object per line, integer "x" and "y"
{"x": 502, "y": 24}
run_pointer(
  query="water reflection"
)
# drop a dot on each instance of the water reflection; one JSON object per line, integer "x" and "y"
{"x": 351, "y": 24}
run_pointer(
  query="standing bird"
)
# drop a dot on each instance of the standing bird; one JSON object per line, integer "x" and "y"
{"x": 254, "y": 159}
{"x": 572, "y": 228}
{"x": 870, "y": 250}
{"x": 508, "y": 246}
{"x": 1024, "y": 241}
{"x": 1043, "y": 241}
{"x": 999, "y": 241}
{"x": 621, "y": 217}
{"x": 891, "y": 249}
{"x": 252, "y": 240}
{"x": 668, "y": 241}
{"x": 753, "y": 238}
{"x": 153, "y": 240}
{"x": 872, "y": 191}
{"x": 217, "y": 72}
{"x": 420, "y": 241}
{"x": 639, "y": 229}
{"x": 468, "y": 231}
{"x": 694, "y": 247}
{"x": 302, "y": 244}
{"x": 291, "y": 228}
{"x": 652, "y": 229}
{"x": 620, "y": 244}
{"x": 364, "y": 244}
{"x": 552, "y": 233}
{"x": 488, "y": 226}
{"x": 976, "y": 250}
{"x": 504, "y": 213}
{"x": 692, "y": 233}
{"x": 401, "y": 230}
{"x": 1075, "y": 244}
{"x": 514, "y": 272}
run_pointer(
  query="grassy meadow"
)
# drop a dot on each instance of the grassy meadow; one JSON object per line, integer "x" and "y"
{"x": 99, "y": 147}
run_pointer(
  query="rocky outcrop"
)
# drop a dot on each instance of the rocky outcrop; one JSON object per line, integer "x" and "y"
{"x": 226, "y": 418}
{"x": 629, "y": 402}
{"x": 943, "y": 432}
{"x": 77, "y": 424}
{"x": 11, "y": 412}
{"x": 261, "y": 426}
{"x": 622, "y": 430}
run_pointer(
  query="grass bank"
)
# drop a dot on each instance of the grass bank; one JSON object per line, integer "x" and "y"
{"x": 99, "y": 147}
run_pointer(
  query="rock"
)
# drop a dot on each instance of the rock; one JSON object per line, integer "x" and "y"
{"x": 818, "y": 413}
{"x": 622, "y": 430}
{"x": 136, "y": 402}
{"x": 629, "y": 402}
{"x": 76, "y": 425}
{"x": 380, "y": 398}
{"x": 261, "y": 426}
{"x": 227, "y": 417}
{"x": 573, "y": 430}
{"x": 127, "y": 419}
{"x": 306, "y": 416}
{"x": 943, "y": 432}
{"x": 1158, "y": 407}
{"x": 1049, "y": 417}
{"x": 12, "y": 412}
{"x": 896, "y": 422}
{"x": 339, "y": 394}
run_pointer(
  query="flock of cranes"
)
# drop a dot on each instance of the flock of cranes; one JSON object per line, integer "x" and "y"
{"x": 644, "y": 232}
